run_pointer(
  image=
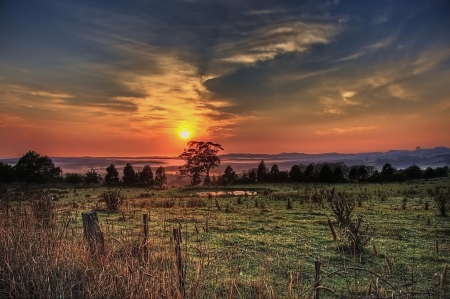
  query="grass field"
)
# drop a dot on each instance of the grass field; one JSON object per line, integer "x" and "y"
{"x": 262, "y": 246}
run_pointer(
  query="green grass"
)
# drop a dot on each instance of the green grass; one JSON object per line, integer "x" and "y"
{"x": 267, "y": 251}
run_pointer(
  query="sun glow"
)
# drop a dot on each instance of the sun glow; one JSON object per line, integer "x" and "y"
{"x": 184, "y": 134}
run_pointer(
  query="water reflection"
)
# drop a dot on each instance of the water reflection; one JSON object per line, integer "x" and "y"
{"x": 226, "y": 193}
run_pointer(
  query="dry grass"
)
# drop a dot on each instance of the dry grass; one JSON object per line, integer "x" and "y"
{"x": 266, "y": 251}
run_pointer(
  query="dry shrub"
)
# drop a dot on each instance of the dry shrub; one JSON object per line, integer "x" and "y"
{"x": 342, "y": 206}
{"x": 442, "y": 202}
{"x": 358, "y": 234}
{"x": 113, "y": 200}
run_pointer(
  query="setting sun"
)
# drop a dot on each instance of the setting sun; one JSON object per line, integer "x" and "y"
{"x": 184, "y": 134}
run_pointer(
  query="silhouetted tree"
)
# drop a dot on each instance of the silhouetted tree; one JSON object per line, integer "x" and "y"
{"x": 295, "y": 174}
{"x": 129, "y": 175}
{"x": 146, "y": 175}
{"x": 7, "y": 174}
{"x": 387, "y": 170}
{"x": 326, "y": 175}
{"x": 112, "y": 175}
{"x": 309, "y": 172}
{"x": 353, "y": 174}
{"x": 362, "y": 173}
{"x": 338, "y": 176}
{"x": 252, "y": 176}
{"x": 441, "y": 171}
{"x": 33, "y": 168}
{"x": 199, "y": 159}
{"x": 274, "y": 169}
{"x": 261, "y": 172}
{"x": 74, "y": 178}
{"x": 229, "y": 176}
{"x": 413, "y": 172}
{"x": 160, "y": 177}
{"x": 92, "y": 177}
{"x": 429, "y": 173}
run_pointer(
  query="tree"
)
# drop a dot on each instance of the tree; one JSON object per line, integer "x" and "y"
{"x": 413, "y": 172}
{"x": 295, "y": 174}
{"x": 74, "y": 178}
{"x": 261, "y": 172}
{"x": 160, "y": 177}
{"x": 92, "y": 177}
{"x": 112, "y": 175}
{"x": 129, "y": 175}
{"x": 353, "y": 174}
{"x": 429, "y": 173}
{"x": 34, "y": 168}
{"x": 387, "y": 170}
{"x": 6, "y": 173}
{"x": 146, "y": 175}
{"x": 338, "y": 176}
{"x": 200, "y": 158}
{"x": 362, "y": 173}
{"x": 274, "y": 170}
{"x": 326, "y": 175}
{"x": 229, "y": 176}
{"x": 309, "y": 172}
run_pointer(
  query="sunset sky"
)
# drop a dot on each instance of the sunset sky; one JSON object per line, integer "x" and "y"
{"x": 126, "y": 78}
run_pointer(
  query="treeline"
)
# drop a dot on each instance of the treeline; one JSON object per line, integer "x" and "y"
{"x": 33, "y": 168}
{"x": 36, "y": 169}
{"x": 328, "y": 173}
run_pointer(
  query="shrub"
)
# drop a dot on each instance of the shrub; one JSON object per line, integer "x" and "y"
{"x": 342, "y": 206}
{"x": 113, "y": 200}
{"x": 442, "y": 203}
{"x": 358, "y": 235}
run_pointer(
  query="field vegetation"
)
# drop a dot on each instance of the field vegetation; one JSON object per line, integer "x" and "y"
{"x": 291, "y": 240}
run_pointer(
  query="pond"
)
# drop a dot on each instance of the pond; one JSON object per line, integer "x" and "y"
{"x": 227, "y": 193}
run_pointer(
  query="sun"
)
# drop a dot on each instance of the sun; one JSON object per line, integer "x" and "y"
{"x": 184, "y": 134}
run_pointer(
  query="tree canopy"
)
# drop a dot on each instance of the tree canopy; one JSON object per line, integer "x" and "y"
{"x": 199, "y": 159}
{"x": 34, "y": 168}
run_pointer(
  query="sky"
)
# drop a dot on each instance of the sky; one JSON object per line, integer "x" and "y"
{"x": 127, "y": 78}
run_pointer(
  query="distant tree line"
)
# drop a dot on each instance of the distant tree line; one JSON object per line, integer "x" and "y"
{"x": 200, "y": 159}
{"x": 328, "y": 173}
{"x": 36, "y": 169}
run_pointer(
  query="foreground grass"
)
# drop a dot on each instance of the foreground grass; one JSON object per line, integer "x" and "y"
{"x": 235, "y": 247}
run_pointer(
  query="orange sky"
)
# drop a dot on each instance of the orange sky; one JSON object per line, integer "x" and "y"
{"x": 84, "y": 79}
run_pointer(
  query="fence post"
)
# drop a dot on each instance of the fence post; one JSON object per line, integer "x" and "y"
{"x": 316, "y": 279}
{"x": 177, "y": 239}
{"x": 92, "y": 233}
{"x": 145, "y": 220}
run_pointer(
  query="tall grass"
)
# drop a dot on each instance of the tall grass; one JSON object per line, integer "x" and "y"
{"x": 248, "y": 252}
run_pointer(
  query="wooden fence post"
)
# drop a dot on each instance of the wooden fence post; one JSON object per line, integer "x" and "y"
{"x": 177, "y": 239}
{"x": 316, "y": 279}
{"x": 145, "y": 220}
{"x": 92, "y": 233}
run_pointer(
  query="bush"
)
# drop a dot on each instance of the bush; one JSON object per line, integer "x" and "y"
{"x": 113, "y": 200}
{"x": 357, "y": 234}
{"x": 442, "y": 203}
{"x": 342, "y": 206}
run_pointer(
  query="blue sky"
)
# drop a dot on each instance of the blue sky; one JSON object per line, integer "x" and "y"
{"x": 126, "y": 77}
